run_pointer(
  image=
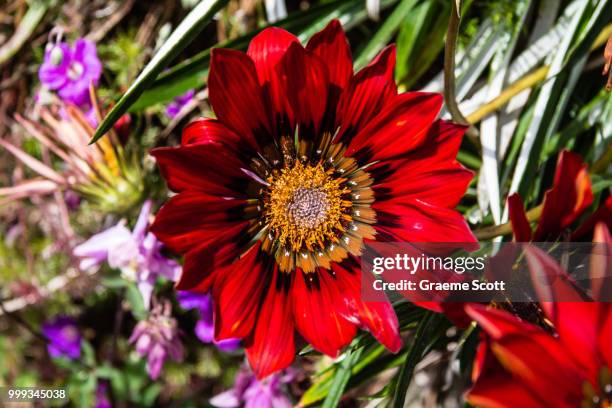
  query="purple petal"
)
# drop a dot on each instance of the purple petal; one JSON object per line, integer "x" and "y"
{"x": 51, "y": 73}
{"x": 155, "y": 362}
{"x": 64, "y": 337}
{"x": 192, "y": 300}
{"x": 280, "y": 400}
{"x": 85, "y": 53}
{"x": 95, "y": 250}
{"x": 76, "y": 92}
{"x": 173, "y": 109}
{"x": 140, "y": 228}
{"x": 204, "y": 331}
{"x": 228, "y": 345}
{"x": 257, "y": 396}
{"x": 227, "y": 399}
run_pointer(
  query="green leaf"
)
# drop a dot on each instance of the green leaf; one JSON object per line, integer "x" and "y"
{"x": 565, "y": 69}
{"x": 384, "y": 33}
{"x": 420, "y": 40}
{"x": 89, "y": 354}
{"x": 426, "y": 334}
{"x": 135, "y": 300}
{"x": 192, "y": 72}
{"x": 114, "y": 282}
{"x": 343, "y": 374}
{"x": 186, "y": 31}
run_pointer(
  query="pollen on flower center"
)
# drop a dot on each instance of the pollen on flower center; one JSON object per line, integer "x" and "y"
{"x": 308, "y": 207}
{"x": 304, "y": 206}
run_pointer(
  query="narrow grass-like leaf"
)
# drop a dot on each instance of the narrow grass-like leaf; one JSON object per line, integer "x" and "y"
{"x": 427, "y": 332}
{"x": 192, "y": 72}
{"x": 472, "y": 62}
{"x": 341, "y": 378}
{"x": 555, "y": 92}
{"x": 488, "y": 191}
{"x": 421, "y": 39}
{"x": 186, "y": 31}
{"x": 384, "y": 33}
{"x": 585, "y": 119}
{"x": 527, "y": 60}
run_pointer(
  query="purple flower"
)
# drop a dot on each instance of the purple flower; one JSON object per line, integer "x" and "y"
{"x": 179, "y": 102}
{"x": 157, "y": 338}
{"x": 136, "y": 253}
{"x": 64, "y": 337}
{"x": 102, "y": 400}
{"x": 69, "y": 71}
{"x": 205, "y": 328}
{"x": 252, "y": 393}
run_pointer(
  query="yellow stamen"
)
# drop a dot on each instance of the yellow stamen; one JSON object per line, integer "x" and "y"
{"x": 304, "y": 206}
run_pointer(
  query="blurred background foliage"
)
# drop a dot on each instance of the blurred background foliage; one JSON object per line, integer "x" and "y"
{"x": 527, "y": 79}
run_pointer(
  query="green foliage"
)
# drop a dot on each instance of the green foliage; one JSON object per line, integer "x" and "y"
{"x": 124, "y": 57}
{"x": 189, "y": 28}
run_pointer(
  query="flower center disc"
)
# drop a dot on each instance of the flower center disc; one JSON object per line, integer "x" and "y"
{"x": 305, "y": 206}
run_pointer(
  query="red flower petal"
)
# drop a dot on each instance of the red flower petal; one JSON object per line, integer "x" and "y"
{"x": 331, "y": 45}
{"x": 441, "y": 186}
{"x": 304, "y": 83}
{"x": 418, "y": 221}
{"x": 203, "y": 263}
{"x": 605, "y": 333}
{"x": 237, "y": 293}
{"x": 192, "y": 218}
{"x": 542, "y": 366}
{"x": 438, "y": 151}
{"x": 267, "y": 48}
{"x": 520, "y": 225}
{"x": 400, "y": 128}
{"x": 209, "y": 168}
{"x": 570, "y": 195}
{"x": 271, "y": 345}
{"x": 603, "y": 214}
{"x": 378, "y": 318}
{"x": 367, "y": 94}
{"x": 429, "y": 173}
{"x": 499, "y": 390}
{"x": 319, "y": 312}
{"x": 494, "y": 386}
{"x": 209, "y": 131}
{"x": 498, "y": 323}
{"x": 236, "y": 97}
{"x": 574, "y": 318}
{"x": 533, "y": 356}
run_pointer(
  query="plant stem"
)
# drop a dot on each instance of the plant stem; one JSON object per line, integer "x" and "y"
{"x": 449, "y": 73}
{"x": 510, "y": 92}
{"x": 603, "y": 163}
{"x": 506, "y": 228}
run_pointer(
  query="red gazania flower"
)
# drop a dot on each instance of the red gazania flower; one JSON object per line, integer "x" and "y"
{"x": 568, "y": 363}
{"x": 570, "y": 195}
{"x": 304, "y": 163}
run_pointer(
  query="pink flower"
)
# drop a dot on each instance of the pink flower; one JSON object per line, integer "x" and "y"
{"x": 136, "y": 253}
{"x": 70, "y": 71}
{"x": 157, "y": 339}
{"x": 250, "y": 392}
